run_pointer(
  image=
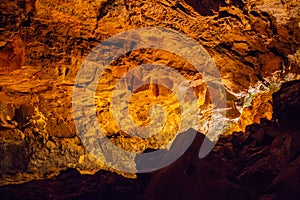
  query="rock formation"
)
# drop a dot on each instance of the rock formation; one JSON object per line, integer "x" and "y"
{"x": 261, "y": 163}
{"x": 254, "y": 44}
{"x": 12, "y": 54}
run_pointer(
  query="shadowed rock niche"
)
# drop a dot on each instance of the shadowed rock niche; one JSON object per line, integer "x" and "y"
{"x": 12, "y": 54}
{"x": 205, "y": 7}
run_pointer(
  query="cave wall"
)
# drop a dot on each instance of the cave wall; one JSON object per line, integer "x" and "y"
{"x": 43, "y": 43}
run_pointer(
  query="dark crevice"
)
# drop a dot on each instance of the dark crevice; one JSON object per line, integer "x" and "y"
{"x": 239, "y": 4}
{"x": 224, "y": 14}
{"x": 182, "y": 8}
{"x": 227, "y": 49}
{"x": 208, "y": 8}
{"x": 255, "y": 13}
{"x": 204, "y": 7}
{"x": 104, "y": 8}
{"x": 254, "y": 53}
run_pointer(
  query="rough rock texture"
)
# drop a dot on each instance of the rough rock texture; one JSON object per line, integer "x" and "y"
{"x": 12, "y": 54}
{"x": 261, "y": 163}
{"x": 70, "y": 184}
{"x": 248, "y": 40}
{"x": 37, "y": 134}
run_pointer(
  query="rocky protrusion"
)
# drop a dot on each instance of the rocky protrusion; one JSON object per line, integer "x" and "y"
{"x": 12, "y": 54}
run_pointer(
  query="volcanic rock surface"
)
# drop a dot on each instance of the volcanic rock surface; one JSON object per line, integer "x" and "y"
{"x": 261, "y": 163}
{"x": 254, "y": 44}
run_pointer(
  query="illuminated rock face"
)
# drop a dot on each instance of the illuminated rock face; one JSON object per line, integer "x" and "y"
{"x": 248, "y": 41}
{"x": 260, "y": 163}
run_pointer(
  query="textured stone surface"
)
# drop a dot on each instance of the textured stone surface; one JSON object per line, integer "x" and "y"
{"x": 261, "y": 163}
{"x": 37, "y": 135}
{"x": 248, "y": 41}
{"x": 12, "y": 54}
